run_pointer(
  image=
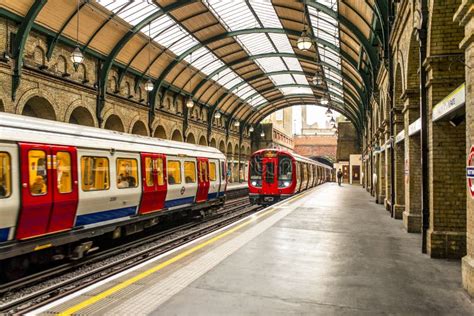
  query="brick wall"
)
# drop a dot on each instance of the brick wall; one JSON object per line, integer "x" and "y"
{"x": 347, "y": 141}
{"x": 316, "y": 145}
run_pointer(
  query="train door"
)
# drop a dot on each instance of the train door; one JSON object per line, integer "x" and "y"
{"x": 270, "y": 183}
{"x": 214, "y": 179}
{"x": 153, "y": 183}
{"x": 203, "y": 180}
{"x": 49, "y": 189}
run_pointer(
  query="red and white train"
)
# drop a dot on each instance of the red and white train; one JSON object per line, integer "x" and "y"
{"x": 277, "y": 174}
{"x": 63, "y": 185}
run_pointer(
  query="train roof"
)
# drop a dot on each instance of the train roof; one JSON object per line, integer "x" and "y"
{"x": 296, "y": 156}
{"x": 21, "y": 128}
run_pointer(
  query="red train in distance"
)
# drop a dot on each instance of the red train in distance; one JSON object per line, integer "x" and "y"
{"x": 277, "y": 174}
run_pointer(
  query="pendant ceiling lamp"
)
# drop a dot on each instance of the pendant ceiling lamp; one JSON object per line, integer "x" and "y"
{"x": 148, "y": 83}
{"x": 304, "y": 41}
{"x": 77, "y": 57}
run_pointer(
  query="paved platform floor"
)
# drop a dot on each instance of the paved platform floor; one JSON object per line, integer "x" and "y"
{"x": 337, "y": 253}
{"x": 330, "y": 251}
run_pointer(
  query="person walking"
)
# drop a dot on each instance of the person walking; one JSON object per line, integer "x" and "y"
{"x": 339, "y": 177}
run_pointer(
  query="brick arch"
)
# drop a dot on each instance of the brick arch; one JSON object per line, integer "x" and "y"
{"x": 114, "y": 123}
{"x": 139, "y": 128}
{"x": 202, "y": 140}
{"x": 191, "y": 138}
{"x": 213, "y": 142}
{"x": 79, "y": 107}
{"x": 177, "y": 136}
{"x": 62, "y": 65}
{"x": 236, "y": 150}
{"x": 413, "y": 61}
{"x": 40, "y": 93}
{"x": 229, "y": 149}
{"x": 160, "y": 132}
{"x": 398, "y": 86}
{"x": 2, "y": 106}
{"x": 39, "y": 56}
{"x": 222, "y": 146}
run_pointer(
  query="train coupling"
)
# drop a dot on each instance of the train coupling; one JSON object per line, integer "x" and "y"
{"x": 81, "y": 249}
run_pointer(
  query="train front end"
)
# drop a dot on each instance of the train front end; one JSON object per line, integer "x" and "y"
{"x": 271, "y": 176}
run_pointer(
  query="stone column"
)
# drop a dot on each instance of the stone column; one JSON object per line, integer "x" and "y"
{"x": 465, "y": 18}
{"x": 399, "y": 175}
{"x": 446, "y": 236}
{"x": 381, "y": 172}
{"x": 387, "y": 170}
{"x": 412, "y": 213}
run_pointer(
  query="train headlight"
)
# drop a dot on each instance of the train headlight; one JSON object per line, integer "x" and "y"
{"x": 286, "y": 184}
{"x": 254, "y": 183}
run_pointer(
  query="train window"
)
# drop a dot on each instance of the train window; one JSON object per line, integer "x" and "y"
{"x": 63, "y": 167}
{"x": 269, "y": 172}
{"x": 5, "y": 175}
{"x": 203, "y": 176}
{"x": 95, "y": 173}
{"x": 190, "y": 171}
{"x": 160, "y": 171}
{"x": 148, "y": 171}
{"x": 174, "y": 172}
{"x": 127, "y": 173}
{"x": 38, "y": 174}
{"x": 212, "y": 171}
{"x": 223, "y": 170}
{"x": 285, "y": 169}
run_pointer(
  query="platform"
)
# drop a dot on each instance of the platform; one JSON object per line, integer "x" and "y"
{"x": 237, "y": 186}
{"x": 330, "y": 250}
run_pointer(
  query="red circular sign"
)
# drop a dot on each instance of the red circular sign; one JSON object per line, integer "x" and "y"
{"x": 470, "y": 171}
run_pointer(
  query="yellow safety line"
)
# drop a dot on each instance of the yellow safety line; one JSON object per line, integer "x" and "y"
{"x": 124, "y": 284}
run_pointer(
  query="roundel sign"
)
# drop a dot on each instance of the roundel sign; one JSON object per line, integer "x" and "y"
{"x": 470, "y": 171}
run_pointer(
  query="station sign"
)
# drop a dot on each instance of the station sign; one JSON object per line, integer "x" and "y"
{"x": 470, "y": 171}
{"x": 451, "y": 103}
{"x": 414, "y": 127}
{"x": 400, "y": 136}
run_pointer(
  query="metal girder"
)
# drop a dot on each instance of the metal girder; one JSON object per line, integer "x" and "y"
{"x": 219, "y": 37}
{"x": 345, "y": 57}
{"x": 20, "y": 41}
{"x": 281, "y": 72}
{"x": 296, "y": 100}
{"x": 52, "y": 44}
{"x": 121, "y": 44}
{"x": 237, "y": 110}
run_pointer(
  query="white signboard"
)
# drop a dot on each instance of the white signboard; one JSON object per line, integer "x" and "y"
{"x": 414, "y": 127}
{"x": 400, "y": 136}
{"x": 451, "y": 103}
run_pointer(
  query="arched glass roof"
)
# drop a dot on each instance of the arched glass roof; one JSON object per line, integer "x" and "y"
{"x": 239, "y": 57}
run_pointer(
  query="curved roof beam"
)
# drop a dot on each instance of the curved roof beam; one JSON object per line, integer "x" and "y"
{"x": 260, "y": 117}
{"x": 109, "y": 62}
{"x": 242, "y": 111}
{"x": 20, "y": 41}
{"x": 281, "y": 72}
{"x": 159, "y": 81}
{"x": 292, "y": 100}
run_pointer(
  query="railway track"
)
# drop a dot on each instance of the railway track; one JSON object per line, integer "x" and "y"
{"x": 41, "y": 288}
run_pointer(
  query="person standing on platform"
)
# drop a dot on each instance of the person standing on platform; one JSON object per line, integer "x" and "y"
{"x": 339, "y": 177}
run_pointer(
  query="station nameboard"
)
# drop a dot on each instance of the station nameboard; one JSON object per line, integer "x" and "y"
{"x": 414, "y": 127}
{"x": 470, "y": 171}
{"x": 451, "y": 103}
{"x": 400, "y": 136}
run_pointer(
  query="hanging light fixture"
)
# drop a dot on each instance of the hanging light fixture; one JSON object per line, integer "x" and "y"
{"x": 217, "y": 115}
{"x": 77, "y": 57}
{"x": 189, "y": 102}
{"x": 148, "y": 83}
{"x": 251, "y": 129}
{"x": 237, "y": 124}
{"x": 304, "y": 41}
{"x": 317, "y": 80}
{"x": 328, "y": 112}
{"x": 324, "y": 101}
{"x": 262, "y": 134}
{"x": 332, "y": 120}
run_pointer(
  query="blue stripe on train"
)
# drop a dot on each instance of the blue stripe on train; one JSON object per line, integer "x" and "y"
{"x": 212, "y": 196}
{"x": 4, "y": 232}
{"x": 105, "y": 215}
{"x": 177, "y": 202}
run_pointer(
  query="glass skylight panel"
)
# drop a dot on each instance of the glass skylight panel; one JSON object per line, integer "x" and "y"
{"x": 300, "y": 79}
{"x": 256, "y": 43}
{"x": 293, "y": 63}
{"x": 113, "y": 5}
{"x": 235, "y": 15}
{"x": 266, "y": 13}
{"x": 269, "y": 64}
{"x": 282, "y": 79}
{"x": 296, "y": 90}
{"x": 281, "y": 42}
{"x": 137, "y": 11}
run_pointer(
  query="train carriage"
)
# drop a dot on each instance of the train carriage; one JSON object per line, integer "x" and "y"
{"x": 63, "y": 184}
{"x": 276, "y": 174}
